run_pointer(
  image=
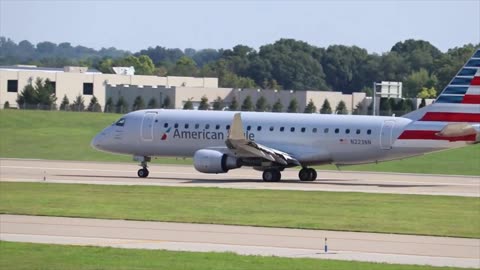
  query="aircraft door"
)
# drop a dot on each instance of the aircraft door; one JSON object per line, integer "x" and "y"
{"x": 386, "y": 134}
{"x": 147, "y": 126}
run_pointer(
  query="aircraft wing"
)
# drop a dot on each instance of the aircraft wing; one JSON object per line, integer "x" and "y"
{"x": 236, "y": 141}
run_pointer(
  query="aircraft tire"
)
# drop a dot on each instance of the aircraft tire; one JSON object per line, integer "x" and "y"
{"x": 307, "y": 174}
{"x": 271, "y": 175}
{"x": 313, "y": 174}
{"x": 142, "y": 173}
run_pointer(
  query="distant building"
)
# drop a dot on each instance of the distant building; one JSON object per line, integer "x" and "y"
{"x": 74, "y": 81}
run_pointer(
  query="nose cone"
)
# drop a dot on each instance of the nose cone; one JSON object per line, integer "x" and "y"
{"x": 96, "y": 142}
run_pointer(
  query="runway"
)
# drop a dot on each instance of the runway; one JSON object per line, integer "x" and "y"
{"x": 245, "y": 178}
{"x": 390, "y": 248}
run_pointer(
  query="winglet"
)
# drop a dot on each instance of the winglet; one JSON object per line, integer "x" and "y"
{"x": 236, "y": 130}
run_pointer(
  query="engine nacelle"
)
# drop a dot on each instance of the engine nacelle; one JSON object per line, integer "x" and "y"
{"x": 211, "y": 161}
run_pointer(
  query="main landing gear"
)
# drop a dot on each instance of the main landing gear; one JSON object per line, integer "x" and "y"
{"x": 307, "y": 174}
{"x": 143, "y": 172}
{"x": 271, "y": 175}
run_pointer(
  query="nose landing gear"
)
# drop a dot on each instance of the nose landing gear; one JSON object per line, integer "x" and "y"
{"x": 143, "y": 172}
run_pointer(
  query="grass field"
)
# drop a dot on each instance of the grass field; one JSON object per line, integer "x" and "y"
{"x": 387, "y": 213}
{"x": 42, "y": 256}
{"x": 67, "y": 135}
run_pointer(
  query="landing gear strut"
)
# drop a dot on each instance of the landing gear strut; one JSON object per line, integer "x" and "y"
{"x": 271, "y": 175}
{"x": 307, "y": 174}
{"x": 143, "y": 172}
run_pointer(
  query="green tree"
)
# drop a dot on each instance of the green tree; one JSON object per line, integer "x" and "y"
{"x": 233, "y": 104}
{"x": 427, "y": 93}
{"x": 152, "y": 103}
{"x": 277, "y": 106}
{"x": 416, "y": 81}
{"x": 359, "y": 109}
{"x": 167, "y": 104}
{"x": 78, "y": 104}
{"x": 27, "y": 96}
{"x": 138, "y": 103}
{"x": 109, "y": 105}
{"x": 121, "y": 106}
{"x": 218, "y": 104}
{"x": 188, "y": 105}
{"x": 185, "y": 66}
{"x": 93, "y": 106}
{"x": 45, "y": 94}
{"x": 42, "y": 94}
{"x": 385, "y": 107}
{"x": 203, "y": 103}
{"x": 326, "y": 109}
{"x": 65, "y": 103}
{"x": 344, "y": 67}
{"x": 310, "y": 108}
{"x": 143, "y": 64}
{"x": 247, "y": 104}
{"x": 341, "y": 108}
{"x": 6, "y": 105}
{"x": 261, "y": 105}
{"x": 293, "y": 106}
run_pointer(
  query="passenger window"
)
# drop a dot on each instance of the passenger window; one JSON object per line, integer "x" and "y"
{"x": 176, "y": 125}
{"x": 303, "y": 130}
{"x": 347, "y": 131}
{"x": 337, "y": 130}
{"x": 358, "y": 131}
{"x": 369, "y": 131}
{"x": 165, "y": 125}
{"x": 314, "y": 130}
{"x": 207, "y": 126}
{"x": 272, "y": 128}
{"x": 282, "y": 129}
{"x": 325, "y": 130}
{"x": 292, "y": 129}
{"x": 249, "y": 127}
{"x": 259, "y": 128}
{"x": 120, "y": 122}
{"x": 217, "y": 127}
{"x": 197, "y": 126}
{"x": 186, "y": 126}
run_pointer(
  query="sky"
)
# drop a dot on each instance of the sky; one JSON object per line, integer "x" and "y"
{"x": 135, "y": 25}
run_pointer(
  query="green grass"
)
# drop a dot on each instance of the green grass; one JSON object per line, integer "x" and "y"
{"x": 67, "y": 135}
{"x": 386, "y": 213}
{"x": 42, "y": 256}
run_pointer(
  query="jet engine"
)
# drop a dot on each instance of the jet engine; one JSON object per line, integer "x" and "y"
{"x": 211, "y": 161}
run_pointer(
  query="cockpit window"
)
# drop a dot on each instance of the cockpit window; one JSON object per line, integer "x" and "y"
{"x": 120, "y": 122}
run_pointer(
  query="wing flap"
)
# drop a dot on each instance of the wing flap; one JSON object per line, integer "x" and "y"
{"x": 236, "y": 141}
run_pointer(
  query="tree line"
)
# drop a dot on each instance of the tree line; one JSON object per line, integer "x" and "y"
{"x": 286, "y": 64}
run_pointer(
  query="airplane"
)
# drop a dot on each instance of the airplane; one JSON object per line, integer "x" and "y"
{"x": 220, "y": 141}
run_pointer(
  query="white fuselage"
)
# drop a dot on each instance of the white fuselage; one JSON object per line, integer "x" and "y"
{"x": 310, "y": 138}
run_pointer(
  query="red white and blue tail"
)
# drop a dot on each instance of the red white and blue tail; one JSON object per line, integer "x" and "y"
{"x": 455, "y": 115}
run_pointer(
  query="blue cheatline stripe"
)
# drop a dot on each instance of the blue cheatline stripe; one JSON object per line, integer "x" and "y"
{"x": 449, "y": 99}
{"x": 473, "y": 63}
{"x": 477, "y": 54}
{"x": 461, "y": 81}
{"x": 456, "y": 90}
{"x": 467, "y": 72}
